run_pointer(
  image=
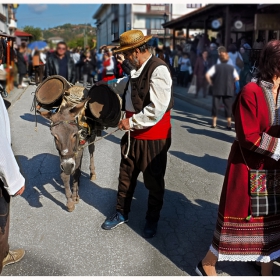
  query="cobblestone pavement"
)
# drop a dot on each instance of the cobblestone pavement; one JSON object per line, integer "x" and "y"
{"x": 62, "y": 243}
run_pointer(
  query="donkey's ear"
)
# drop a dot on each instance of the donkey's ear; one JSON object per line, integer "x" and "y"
{"x": 76, "y": 110}
{"x": 46, "y": 114}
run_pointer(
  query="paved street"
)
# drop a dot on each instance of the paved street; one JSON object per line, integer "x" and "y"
{"x": 61, "y": 243}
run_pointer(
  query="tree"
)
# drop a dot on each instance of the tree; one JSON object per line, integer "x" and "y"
{"x": 36, "y": 32}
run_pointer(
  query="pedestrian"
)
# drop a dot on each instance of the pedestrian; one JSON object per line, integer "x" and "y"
{"x": 11, "y": 184}
{"x": 39, "y": 61}
{"x": 76, "y": 57}
{"x": 244, "y": 73}
{"x": 21, "y": 64}
{"x": 223, "y": 49}
{"x": 61, "y": 63}
{"x": 239, "y": 235}
{"x": 200, "y": 69}
{"x": 236, "y": 58}
{"x": 222, "y": 78}
{"x": 258, "y": 45}
{"x": 213, "y": 54}
{"x": 87, "y": 69}
{"x": 148, "y": 118}
{"x": 184, "y": 74}
{"x": 108, "y": 72}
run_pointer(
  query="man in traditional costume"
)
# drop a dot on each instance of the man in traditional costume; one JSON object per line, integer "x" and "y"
{"x": 147, "y": 101}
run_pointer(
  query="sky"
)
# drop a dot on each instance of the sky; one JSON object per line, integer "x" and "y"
{"x": 51, "y": 15}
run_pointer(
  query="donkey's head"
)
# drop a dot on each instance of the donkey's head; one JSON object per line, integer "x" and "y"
{"x": 65, "y": 130}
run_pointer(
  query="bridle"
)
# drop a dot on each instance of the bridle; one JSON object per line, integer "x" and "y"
{"x": 77, "y": 143}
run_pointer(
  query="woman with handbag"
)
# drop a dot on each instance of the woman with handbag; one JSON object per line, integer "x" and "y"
{"x": 248, "y": 224}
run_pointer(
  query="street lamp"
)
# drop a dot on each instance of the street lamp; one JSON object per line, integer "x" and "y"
{"x": 165, "y": 16}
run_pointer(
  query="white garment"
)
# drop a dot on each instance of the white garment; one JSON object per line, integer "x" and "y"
{"x": 212, "y": 71}
{"x": 76, "y": 57}
{"x": 9, "y": 169}
{"x": 160, "y": 95}
{"x": 185, "y": 63}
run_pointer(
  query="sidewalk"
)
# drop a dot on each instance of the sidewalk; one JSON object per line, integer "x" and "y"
{"x": 13, "y": 96}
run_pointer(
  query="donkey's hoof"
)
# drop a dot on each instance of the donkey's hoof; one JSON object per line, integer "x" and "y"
{"x": 70, "y": 206}
{"x": 93, "y": 177}
{"x": 76, "y": 199}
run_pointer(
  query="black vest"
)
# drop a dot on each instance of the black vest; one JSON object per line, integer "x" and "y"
{"x": 140, "y": 87}
{"x": 223, "y": 80}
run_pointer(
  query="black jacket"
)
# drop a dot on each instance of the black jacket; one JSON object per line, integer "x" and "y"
{"x": 21, "y": 64}
{"x": 52, "y": 67}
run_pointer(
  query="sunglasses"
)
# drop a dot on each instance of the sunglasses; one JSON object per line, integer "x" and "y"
{"x": 59, "y": 48}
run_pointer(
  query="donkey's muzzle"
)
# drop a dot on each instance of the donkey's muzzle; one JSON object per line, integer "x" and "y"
{"x": 68, "y": 166}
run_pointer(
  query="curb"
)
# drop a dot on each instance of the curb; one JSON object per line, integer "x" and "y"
{"x": 13, "y": 96}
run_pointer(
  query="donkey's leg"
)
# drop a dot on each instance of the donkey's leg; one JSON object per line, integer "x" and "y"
{"x": 91, "y": 149}
{"x": 66, "y": 181}
{"x": 76, "y": 178}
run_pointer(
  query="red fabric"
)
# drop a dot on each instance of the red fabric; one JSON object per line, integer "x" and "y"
{"x": 252, "y": 118}
{"x": 104, "y": 76}
{"x": 161, "y": 130}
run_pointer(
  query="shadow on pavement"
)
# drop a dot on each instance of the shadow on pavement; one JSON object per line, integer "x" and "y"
{"x": 218, "y": 165}
{"x": 185, "y": 228}
{"x": 31, "y": 118}
{"x": 214, "y": 133}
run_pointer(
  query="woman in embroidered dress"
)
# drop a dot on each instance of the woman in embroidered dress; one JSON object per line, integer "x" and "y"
{"x": 108, "y": 68}
{"x": 238, "y": 235}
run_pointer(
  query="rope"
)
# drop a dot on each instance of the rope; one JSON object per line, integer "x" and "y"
{"x": 98, "y": 139}
{"x": 128, "y": 145}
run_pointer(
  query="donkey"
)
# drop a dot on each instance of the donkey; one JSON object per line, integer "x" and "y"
{"x": 65, "y": 130}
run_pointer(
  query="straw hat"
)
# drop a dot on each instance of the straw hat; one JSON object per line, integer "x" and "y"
{"x": 132, "y": 39}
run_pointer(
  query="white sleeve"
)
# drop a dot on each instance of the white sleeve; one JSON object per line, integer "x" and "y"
{"x": 42, "y": 57}
{"x": 211, "y": 72}
{"x": 235, "y": 74}
{"x": 9, "y": 169}
{"x": 111, "y": 66}
{"x": 160, "y": 95}
{"x": 218, "y": 61}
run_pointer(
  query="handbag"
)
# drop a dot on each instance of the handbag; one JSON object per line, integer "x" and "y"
{"x": 239, "y": 62}
{"x": 264, "y": 189}
{"x": 192, "y": 88}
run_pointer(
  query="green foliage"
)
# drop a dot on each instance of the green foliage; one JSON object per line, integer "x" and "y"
{"x": 36, "y": 32}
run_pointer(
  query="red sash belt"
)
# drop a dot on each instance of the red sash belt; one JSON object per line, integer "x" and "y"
{"x": 161, "y": 130}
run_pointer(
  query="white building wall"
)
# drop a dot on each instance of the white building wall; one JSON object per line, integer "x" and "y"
{"x": 3, "y": 25}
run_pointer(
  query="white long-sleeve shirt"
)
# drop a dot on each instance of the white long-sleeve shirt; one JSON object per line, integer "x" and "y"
{"x": 9, "y": 169}
{"x": 160, "y": 94}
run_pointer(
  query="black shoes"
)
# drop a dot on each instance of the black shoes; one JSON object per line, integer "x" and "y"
{"x": 150, "y": 229}
{"x": 114, "y": 221}
{"x": 199, "y": 270}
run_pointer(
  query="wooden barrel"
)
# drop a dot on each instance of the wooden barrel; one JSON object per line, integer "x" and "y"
{"x": 104, "y": 106}
{"x": 49, "y": 93}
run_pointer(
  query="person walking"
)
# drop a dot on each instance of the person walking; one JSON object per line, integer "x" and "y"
{"x": 11, "y": 184}
{"x": 108, "y": 70}
{"x": 184, "y": 74}
{"x": 236, "y": 58}
{"x": 239, "y": 235}
{"x": 222, "y": 78}
{"x": 147, "y": 101}
{"x": 61, "y": 63}
{"x": 40, "y": 58}
{"x": 87, "y": 69}
{"x": 200, "y": 69}
{"x": 21, "y": 65}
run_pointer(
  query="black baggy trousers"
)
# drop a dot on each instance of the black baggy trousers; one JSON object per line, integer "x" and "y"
{"x": 149, "y": 157}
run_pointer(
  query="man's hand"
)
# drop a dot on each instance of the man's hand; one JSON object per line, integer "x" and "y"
{"x": 124, "y": 124}
{"x": 20, "y": 192}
